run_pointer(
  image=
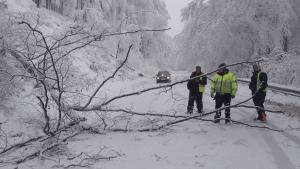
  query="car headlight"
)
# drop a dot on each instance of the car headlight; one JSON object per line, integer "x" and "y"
{"x": 168, "y": 77}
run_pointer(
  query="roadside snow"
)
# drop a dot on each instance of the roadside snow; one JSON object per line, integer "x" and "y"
{"x": 191, "y": 144}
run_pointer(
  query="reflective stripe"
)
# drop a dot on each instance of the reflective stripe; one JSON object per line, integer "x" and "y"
{"x": 258, "y": 83}
{"x": 201, "y": 87}
{"x": 224, "y": 84}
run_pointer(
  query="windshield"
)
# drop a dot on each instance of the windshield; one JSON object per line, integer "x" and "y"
{"x": 163, "y": 73}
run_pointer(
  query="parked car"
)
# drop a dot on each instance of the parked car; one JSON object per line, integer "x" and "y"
{"x": 163, "y": 76}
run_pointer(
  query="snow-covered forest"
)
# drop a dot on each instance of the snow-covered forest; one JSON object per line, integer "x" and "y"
{"x": 231, "y": 30}
{"x": 79, "y": 84}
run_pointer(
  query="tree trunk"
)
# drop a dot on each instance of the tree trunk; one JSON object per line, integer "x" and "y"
{"x": 48, "y": 4}
{"x": 38, "y": 3}
{"x": 285, "y": 43}
{"x": 79, "y": 4}
{"x": 61, "y": 7}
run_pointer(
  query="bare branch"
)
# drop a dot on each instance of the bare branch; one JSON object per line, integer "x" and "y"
{"x": 141, "y": 114}
{"x": 58, "y": 81}
{"x": 187, "y": 118}
{"x": 135, "y": 31}
{"x": 72, "y": 158}
{"x": 99, "y": 107}
{"x": 107, "y": 79}
{"x": 19, "y": 145}
{"x": 44, "y": 106}
{"x": 205, "y": 114}
{"x": 93, "y": 38}
{"x": 38, "y": 152}
{"x": 260, "y": 108}
{"x": 254, "y": 126}
{"x": 76, "y": 165}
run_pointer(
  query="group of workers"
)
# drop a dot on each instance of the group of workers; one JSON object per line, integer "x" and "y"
{"x": 223, "y": 89}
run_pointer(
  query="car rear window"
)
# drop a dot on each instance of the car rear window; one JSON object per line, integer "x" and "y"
{"x": 163, "y": 72}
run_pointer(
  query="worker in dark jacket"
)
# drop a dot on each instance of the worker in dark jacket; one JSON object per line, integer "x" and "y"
{"x": 196, "y": 87}
{"x": 258, "y": 87}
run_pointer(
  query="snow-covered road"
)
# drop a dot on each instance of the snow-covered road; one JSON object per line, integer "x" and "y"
{"x": 196, "y": 144}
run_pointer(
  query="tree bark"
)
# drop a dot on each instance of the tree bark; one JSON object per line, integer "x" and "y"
{"x": 61, "y": 7}
{"x": 48, "y": 4}
{"x": 285, "y": 43}
{"x": 38, "y": 3}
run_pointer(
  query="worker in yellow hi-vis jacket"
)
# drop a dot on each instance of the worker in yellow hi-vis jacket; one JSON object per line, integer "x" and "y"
{"x": 223, "y": 88}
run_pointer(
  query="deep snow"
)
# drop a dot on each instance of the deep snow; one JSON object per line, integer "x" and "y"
{"x": 192, "y": 144}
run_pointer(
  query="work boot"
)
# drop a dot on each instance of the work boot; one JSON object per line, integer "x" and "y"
{"x": 200, "y": 112}
{"x": 190, "y": 110}
{"x": 227, "y": 118}
{"x": 217, "y": 117}
{"x": 259, "y": 117}
{"x": 263, "y": 117}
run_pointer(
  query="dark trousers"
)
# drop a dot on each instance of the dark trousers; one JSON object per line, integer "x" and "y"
{"x": 259, "y": 100}
{"x": 220, "y": 100}
{"x": 195, "y": 96}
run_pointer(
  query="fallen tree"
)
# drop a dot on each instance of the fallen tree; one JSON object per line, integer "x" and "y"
{"x": 47, "y": 67}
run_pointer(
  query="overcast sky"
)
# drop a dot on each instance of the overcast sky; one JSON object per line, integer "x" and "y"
{"x": 174, "y": 7}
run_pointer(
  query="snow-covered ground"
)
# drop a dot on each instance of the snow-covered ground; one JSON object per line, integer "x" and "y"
{"x": 193, "y": 144}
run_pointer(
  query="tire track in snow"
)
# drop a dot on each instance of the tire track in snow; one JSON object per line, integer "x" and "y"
{"x": 280, "y": 157}
{"x": 291, "y": 137}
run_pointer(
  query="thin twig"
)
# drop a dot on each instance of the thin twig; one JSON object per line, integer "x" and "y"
{"x": 76, "y": 165}
{"x": 19, "y": 145}
{"x": 185, "y": 118}
{"x": 135, "y": 31}
{"x": 156, "y": 88}
{"x": 58, "y": 81}
{"x": 107, "y": 79}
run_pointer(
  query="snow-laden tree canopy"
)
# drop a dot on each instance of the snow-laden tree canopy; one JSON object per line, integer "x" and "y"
{"x": 218, "y": 31}
{"x": 122, "y": 15}
{"x": 95, "y": 17}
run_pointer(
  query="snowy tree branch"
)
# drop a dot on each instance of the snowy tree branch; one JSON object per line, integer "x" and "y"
{"x": 98, "y": 107}
{"x": 93, "y": 38}
{"x": 107, "y": 79}
{"x": 187, "y": 118}
{"x": 135, "y": 31}
{"x": 205, "y": 114}
{"x": 58, "y": 80}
